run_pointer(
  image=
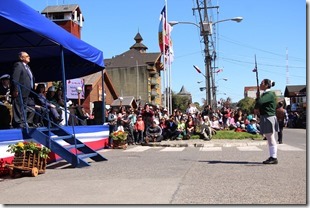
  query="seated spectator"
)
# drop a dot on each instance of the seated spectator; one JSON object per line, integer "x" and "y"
{"x": 154, "y": 133}
{"x": 251, "y": 127}
{"x": 6, "y": 110}
{"x": 171, "y": 129}
{"x": 162, "y": 124}
{"x": 206, "y": 130}
{"x": 182, "y": 128}
{"x": 190, "y": 126}
{"x": 231, "y": 122}
{"x": 41, "y": 103}
{"x": 50, "y": 96}
{"x": 215, "y": 124}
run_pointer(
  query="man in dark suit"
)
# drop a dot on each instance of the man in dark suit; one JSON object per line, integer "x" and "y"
{"x": 22, "y": 75}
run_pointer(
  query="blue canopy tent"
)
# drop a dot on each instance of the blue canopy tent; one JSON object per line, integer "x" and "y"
{"x": 52, "y": 49}
{"x": 56, "y": 55}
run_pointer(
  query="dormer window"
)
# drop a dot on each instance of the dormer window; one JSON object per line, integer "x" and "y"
{"x": 59, "y": 16}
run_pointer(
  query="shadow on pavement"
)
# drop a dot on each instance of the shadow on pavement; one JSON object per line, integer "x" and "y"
{"x": 231, "y": 162}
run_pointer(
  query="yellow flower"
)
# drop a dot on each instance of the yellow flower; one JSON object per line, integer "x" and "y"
{"x": 20, "y": 144}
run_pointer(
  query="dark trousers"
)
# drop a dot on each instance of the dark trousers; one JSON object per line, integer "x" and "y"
{"x": 19, "y": 108}
{"x": 280, "y": 133}
{"x": 5, "y": 117}
{"x": 112, "y": 128}
{"x": 139, "y": 136}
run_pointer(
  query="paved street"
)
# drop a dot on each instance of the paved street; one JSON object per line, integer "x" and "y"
{"x": 201, "y": 174}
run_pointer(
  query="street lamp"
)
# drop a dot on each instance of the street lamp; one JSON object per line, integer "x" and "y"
{"x": 104, "y": 107}
{"x": 79, "y": 90}
{"x": 205, "y": 31}
{"x": 214, "y": 91}
{"x": 120, "y": 101}
{"x": 207, "y": 86}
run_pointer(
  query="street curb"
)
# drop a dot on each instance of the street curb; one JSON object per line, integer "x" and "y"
{"x": 212, "y": 143}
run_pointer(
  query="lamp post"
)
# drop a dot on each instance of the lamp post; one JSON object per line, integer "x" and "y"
{"x": 214, "y": 91}
{"x": 206, "y": 30}
{"x": 79, "y": 90}
{"x": 120, "y": 101}
{"x": 104, "y": 107}
{"x": 207, "y": 88}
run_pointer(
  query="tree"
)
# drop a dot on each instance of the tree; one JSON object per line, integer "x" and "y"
{"x": 247, "y": 105}
{"x": 179, "y": 102}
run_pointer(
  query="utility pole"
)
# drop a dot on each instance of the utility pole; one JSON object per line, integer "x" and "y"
{"x": 202, "y": 5}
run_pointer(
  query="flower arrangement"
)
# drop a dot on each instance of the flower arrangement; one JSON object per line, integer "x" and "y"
{"x": 20, "y": 147}
{"x": 119, "y": 135}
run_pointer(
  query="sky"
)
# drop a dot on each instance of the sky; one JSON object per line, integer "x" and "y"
{"x": 273, "y": 31}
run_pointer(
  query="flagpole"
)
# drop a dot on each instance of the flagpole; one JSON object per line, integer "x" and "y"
{"x": 164, "y": 57}
{"x": 169, "y": 63}
{"x": 257, "y": 82}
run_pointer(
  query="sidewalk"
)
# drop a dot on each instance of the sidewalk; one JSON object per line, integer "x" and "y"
{"x": 211, "y": 143}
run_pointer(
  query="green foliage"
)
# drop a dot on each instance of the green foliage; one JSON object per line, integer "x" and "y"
{"x": 119, "y": 135}
{"x": 32, "y": 147}
{"x": 180, "y": 102}
{"x": 235, "y": 135}
{"x": 247, "y": 105}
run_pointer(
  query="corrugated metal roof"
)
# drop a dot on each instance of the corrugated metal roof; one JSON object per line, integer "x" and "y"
{"x": 127, "y": 101}
{"x": 60, "y": 8}
{"x": 295, "y": 90}
{"x": 131, "y": 58}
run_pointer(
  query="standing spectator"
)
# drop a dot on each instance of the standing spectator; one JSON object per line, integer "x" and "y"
{"x": 139, "y": 128}
{"x": 22, "y": 75}
{"x": 266, "y": 107}
{"x": 281, "y": 116}
{"x": 132, "y": 118}
{"x": 147, "y": 116}
{"x": 207, "y": 111}
{"x": 112, "y": 118}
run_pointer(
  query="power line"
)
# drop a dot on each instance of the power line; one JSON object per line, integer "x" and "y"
{"x": 263, "y": 64}
{"x": 252, "y": 47}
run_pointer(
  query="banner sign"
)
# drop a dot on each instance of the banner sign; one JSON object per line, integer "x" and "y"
{"x": 72, "y": 86}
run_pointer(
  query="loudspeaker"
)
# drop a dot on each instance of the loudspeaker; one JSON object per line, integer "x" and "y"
{"x": 98, "y": 113}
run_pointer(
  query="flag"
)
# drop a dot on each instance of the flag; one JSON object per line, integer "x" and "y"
{"x": 219, "y": 70}
{"x": 163, "y": 31}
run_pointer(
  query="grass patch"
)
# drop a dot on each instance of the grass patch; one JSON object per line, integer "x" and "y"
{"x": 235, "y": 135}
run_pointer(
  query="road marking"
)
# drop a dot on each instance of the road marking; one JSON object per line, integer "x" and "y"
{"x": 172, "y": 149}
{"x": 104, "y": 150}
{"x": 249, "y": 148}
{"x": 285, "y": 147}
{"x": 209, "y": 149}
{"x": 137, "y": 149}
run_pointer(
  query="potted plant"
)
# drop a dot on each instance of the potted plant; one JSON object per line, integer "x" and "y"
{"x": 28, "y": 156}
{"x": 21, "y": 148}
{"x": 119, "y": 139}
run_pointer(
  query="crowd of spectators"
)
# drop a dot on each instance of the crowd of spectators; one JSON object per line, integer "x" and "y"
{"x": 150, "y": 123}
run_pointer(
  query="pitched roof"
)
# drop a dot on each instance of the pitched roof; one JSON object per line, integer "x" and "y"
{"x": 127, "y": 101}
{"x": 183, "y": 91}
{"x": 60, "y": 8}
{"x": 131, "y": 58}
{"x": 295, "y": 91}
